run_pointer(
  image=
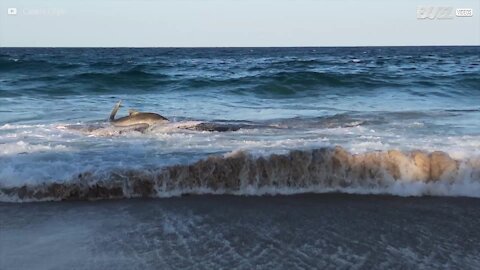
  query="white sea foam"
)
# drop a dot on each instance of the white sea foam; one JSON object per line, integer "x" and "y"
{"x": 32, "y": 155}
{"x": 22, "y": 147}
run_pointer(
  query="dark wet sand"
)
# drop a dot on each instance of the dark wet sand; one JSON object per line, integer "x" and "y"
{"x": 327, "y": 231}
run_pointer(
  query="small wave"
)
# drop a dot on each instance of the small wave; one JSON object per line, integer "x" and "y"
{"x": 463, "y": 110}
{"x": 307, "y": 79}
{"x": 133, "y": 77}
{"x": 413, "y": 173}
{"x": 33, "y": 65}
{"x": 19, "y": 64}
{"x": 342, "y": 120}
{"x": 293, "y": 82}
{"x": 471, "y": 82}
{"x": 9, "y": 126}
{"x": 22, "y": 147}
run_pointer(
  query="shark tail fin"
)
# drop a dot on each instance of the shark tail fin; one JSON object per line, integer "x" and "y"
{"x": 115, "y": 110}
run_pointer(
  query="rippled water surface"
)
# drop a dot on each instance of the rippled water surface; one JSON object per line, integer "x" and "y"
{"x": 283, "y": 232}
{"x": 54, "y": 105}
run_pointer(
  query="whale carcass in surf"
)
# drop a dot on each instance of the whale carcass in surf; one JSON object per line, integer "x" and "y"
{"x": 141, "y": 121}
{"x": 136, "y": 119}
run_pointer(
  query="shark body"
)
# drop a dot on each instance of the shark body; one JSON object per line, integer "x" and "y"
{"x": 135, "y": 118}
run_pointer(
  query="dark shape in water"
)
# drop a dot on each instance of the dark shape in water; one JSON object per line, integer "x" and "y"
{"x": 215, "y": 127}
{"x": 135, "y": 118}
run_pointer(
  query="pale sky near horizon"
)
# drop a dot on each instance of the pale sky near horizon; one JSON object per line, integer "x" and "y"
{"x": 233, "y": 23}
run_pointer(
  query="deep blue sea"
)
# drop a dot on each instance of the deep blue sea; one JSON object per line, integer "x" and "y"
{"x": 54, "y": 106}
{"x": 377, "y": 148}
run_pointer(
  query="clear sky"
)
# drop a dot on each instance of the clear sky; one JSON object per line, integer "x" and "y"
{"x": 233, "y": 23}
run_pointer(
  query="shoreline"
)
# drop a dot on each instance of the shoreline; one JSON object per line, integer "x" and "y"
{"x": 282, "y": 232}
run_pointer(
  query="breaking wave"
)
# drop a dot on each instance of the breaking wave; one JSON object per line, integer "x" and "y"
{"x": 413, "y": 173}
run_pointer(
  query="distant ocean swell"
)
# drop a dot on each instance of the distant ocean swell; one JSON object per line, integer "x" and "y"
{"x": 414, "y": 173}
{"x": 100, "y": 77}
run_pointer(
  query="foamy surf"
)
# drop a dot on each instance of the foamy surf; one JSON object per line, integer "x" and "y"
{"x": 261, "y": 104}
{"x": 107, "y": 130}
{"x": 413, "y": 173}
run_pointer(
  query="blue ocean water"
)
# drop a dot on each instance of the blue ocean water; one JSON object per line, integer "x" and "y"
{"x": 54, "y": 105}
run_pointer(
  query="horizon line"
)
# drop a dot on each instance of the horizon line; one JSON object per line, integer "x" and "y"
{"x": 221, "y": 47}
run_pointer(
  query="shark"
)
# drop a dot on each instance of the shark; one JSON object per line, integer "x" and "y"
{"x": 136, "y": 119}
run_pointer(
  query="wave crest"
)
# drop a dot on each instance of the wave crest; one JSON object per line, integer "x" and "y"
{"x": 319, "y": 170}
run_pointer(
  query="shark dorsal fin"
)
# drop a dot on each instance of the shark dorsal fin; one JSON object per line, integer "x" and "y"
{"x": 132, "y": 112}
